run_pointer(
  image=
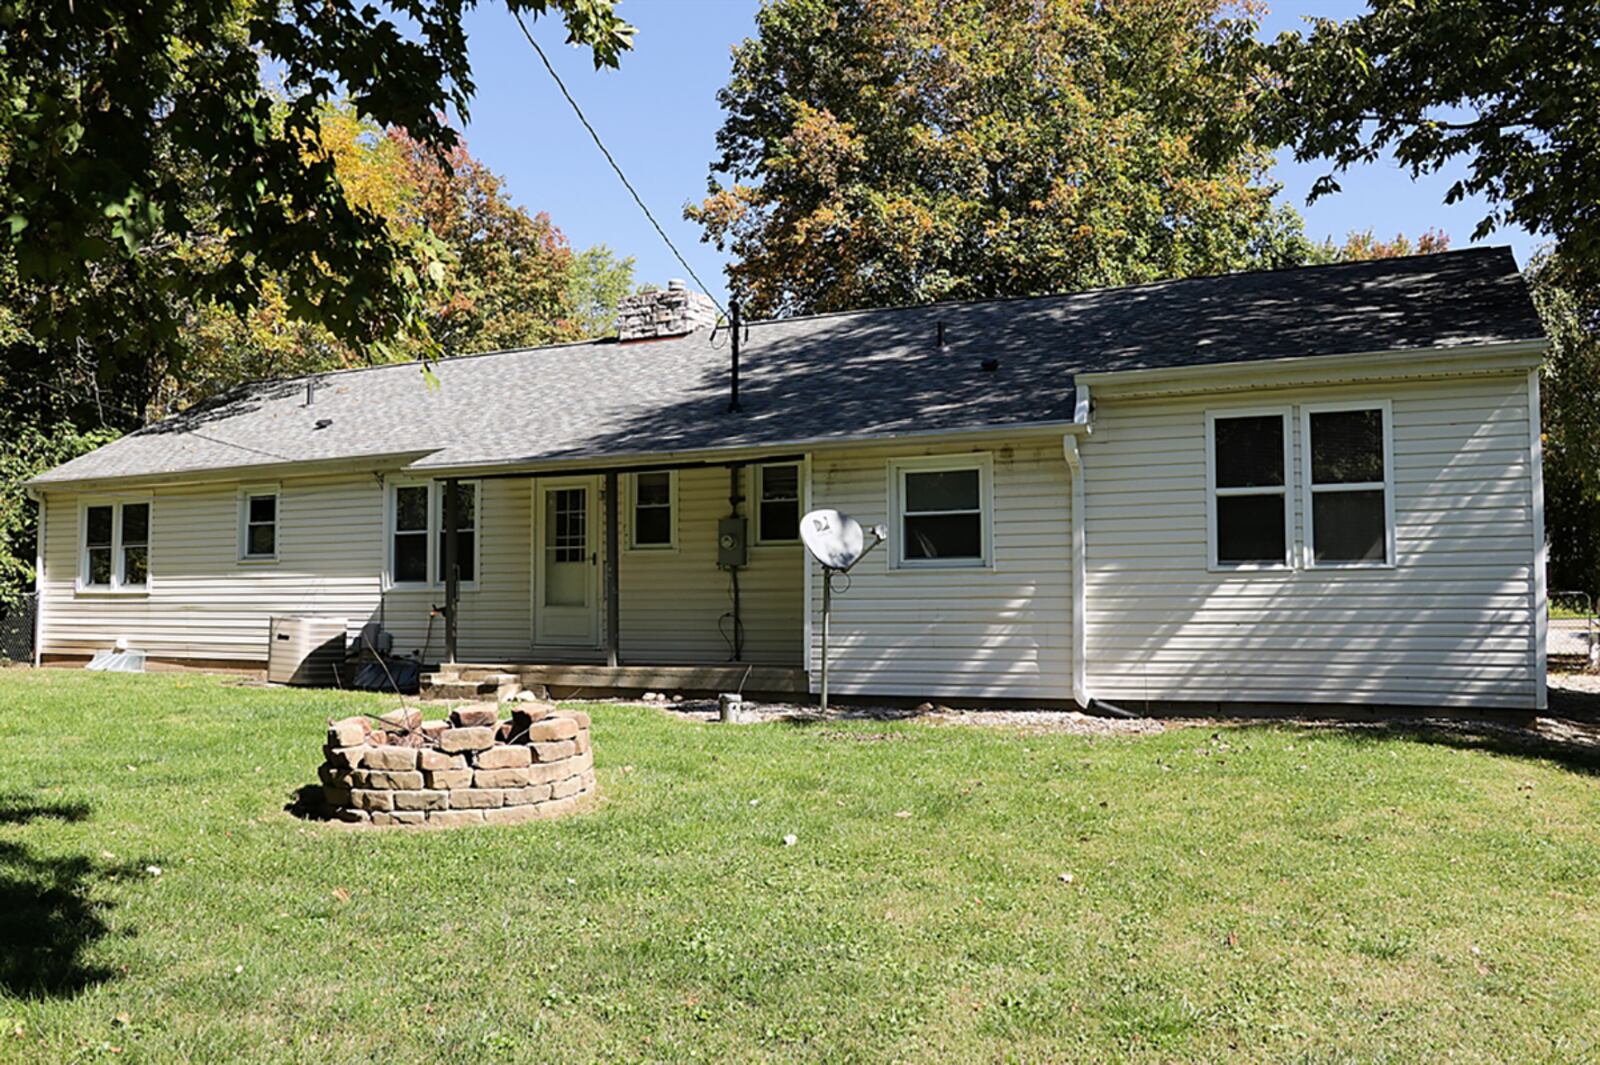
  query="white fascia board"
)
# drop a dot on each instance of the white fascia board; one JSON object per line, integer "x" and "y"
{"x": 387, "y": 461}
{"x": 1419, "y": 363}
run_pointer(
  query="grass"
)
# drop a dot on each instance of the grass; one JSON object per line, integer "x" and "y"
{"x": 1265, "y": 893}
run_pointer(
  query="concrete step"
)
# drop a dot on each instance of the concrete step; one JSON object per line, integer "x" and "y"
{"x": 449, "y": 685}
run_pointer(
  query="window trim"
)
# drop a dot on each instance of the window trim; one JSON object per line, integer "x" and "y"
{"x": 80, "y": 583}
{"x": 630, "y": 495}
{"x": 1213, "y": 493}
{"x": 983, "y": 462}
{"x": 761, "y": 539}
{"x": 1308, "y": 490}
{"x": 435, "y": 531}
{"x": 256, "y": 491}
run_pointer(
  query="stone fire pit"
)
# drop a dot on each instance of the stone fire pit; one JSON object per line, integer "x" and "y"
{"x": 473, "y": 769}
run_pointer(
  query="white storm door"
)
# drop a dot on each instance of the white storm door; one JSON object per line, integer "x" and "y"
{"x": 566, "y": 607}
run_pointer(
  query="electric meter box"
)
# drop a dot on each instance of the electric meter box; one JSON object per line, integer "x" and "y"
{"x": 733, "y": 542}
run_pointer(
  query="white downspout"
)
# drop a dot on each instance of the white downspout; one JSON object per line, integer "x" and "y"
{"x": 1081, "y": 426}
{"x": 38, "y": 580}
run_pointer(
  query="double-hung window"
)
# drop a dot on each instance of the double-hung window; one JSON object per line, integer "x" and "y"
{"x": 1247, "y": 468}
{"x": 942, "y": 512}
{"x": 258, "y": 525}
{"x": 417, "y": 533}
{"x": 116, "y": 547}
{"x": 778, "y": 504}
{"x": 1349, "y": 484}
{"x": 654, "y": 496}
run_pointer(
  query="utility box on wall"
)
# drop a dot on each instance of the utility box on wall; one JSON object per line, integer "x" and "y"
{"x": 733, "y": 546}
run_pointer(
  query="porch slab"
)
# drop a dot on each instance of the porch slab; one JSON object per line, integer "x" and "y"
{"x": 570, "y": 680}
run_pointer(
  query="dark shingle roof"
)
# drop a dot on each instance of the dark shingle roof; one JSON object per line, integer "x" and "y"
{"x": 833, "y": 376}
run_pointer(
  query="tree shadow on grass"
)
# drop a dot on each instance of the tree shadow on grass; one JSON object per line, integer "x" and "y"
{"x": 1575, "y": 746}
{"x": 47, "y": 918}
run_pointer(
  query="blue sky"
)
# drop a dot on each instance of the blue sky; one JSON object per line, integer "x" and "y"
{"x": 658, "y": 114}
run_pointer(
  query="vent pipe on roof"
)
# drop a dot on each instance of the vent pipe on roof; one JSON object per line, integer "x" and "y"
{"x": 733, "y": 349}
{"x": 311, "y": 391}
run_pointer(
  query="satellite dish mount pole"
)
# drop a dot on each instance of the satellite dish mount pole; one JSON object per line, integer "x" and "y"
{"x": 879, "y": 534}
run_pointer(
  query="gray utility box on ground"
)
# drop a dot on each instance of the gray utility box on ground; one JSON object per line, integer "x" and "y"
{"x": 305, "y": 650}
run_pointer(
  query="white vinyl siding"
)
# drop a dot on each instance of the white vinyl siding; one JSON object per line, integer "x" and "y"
{"x": 332, "y": 554}
{"x": 999, "y": 631}
{"x": 671, "y": 601}
{"x": 1450, "y": 623}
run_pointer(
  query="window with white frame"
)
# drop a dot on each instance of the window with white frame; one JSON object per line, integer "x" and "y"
{"x": 1248, "y": 497}
{"x": 778, "y": 504}
{"x": 466, "y": 531}
{"x": 258, "y": 524}
{"x": 654, "y": 496}
{"x": 417, "y": 534}
{"x": 1348, "y": 485}
{"x": 942, "y": 512}
{"x": 116, "y": 547}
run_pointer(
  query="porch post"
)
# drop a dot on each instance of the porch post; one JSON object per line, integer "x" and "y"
{"x": 452, "y": 568}
{"x": 613, "y": 595}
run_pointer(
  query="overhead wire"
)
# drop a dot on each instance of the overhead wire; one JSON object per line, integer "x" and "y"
{"x": 595, "y": 136}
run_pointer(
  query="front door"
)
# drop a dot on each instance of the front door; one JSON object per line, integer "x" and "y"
{"x": 566, "y": 607}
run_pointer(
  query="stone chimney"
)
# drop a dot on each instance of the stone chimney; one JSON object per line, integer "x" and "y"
{"x": 658, "y": 315}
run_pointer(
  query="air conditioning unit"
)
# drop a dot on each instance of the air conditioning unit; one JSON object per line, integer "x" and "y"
{"x": 305, "y": 650}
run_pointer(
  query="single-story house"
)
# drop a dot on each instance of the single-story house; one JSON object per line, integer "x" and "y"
{"x": 1318, "y": 485}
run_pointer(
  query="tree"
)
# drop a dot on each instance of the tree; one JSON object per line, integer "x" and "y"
{"x": 144, "y": 165}
{"x": 902, "y": 151}
{"x": 1570, "y": 419}
{"x": 506, "y": 277}
{"x": 599, "y": 281}
{"x": 1508, "y": 89}
{"x": 29, "y": 451}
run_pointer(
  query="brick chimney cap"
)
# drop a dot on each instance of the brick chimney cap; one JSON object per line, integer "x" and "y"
{"x": 677, "y": 284}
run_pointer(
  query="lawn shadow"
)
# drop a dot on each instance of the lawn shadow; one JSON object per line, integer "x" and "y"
{"x": 308, "y": 804}
{"x": 47, "y": 916}
{"x": 1575, "y": 746}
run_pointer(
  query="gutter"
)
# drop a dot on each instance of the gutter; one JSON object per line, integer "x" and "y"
{"x": 1402, "y": 362}
{"x": 38, "y": 577}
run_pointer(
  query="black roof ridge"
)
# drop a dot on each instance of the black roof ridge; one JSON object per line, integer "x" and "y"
{"x": 1484, "y": 249}
{"x": 1481, "y": 249}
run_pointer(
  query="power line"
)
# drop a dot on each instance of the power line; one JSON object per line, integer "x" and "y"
{"x": 598, "y": 143}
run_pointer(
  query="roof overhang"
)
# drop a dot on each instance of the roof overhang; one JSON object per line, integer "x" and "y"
{"x": 1292, "y": 372}
{"x": 377, "y": 461}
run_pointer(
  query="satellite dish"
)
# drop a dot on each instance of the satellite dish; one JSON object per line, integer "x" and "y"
{"x": 838, "y": 542}
{"x": 835, "y": 539}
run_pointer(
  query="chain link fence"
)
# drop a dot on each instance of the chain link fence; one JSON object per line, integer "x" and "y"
{"x": 16, "y": 630}
{"x": 1573, "y": 636}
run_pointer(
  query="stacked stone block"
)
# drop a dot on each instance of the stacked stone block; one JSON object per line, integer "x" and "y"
{"x": 472, "y": 769}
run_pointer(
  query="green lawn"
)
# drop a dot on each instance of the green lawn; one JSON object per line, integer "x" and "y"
{"x": 1263, "y": 893}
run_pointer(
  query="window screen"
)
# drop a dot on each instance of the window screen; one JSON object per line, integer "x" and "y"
{"x": 466, "y": 530}
{"x": 1250, "y": 500}
{"x": 778, "y": 513}
{"x": 652, "y": 510}
{"x": 942, "y": 515}
{"x": 136, "y": 544}
{"x": 98, "y": 545}
{"x": 1349, "y": 491}
{"x": 411, "y": 534}
{"x": 261, "y": 526}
